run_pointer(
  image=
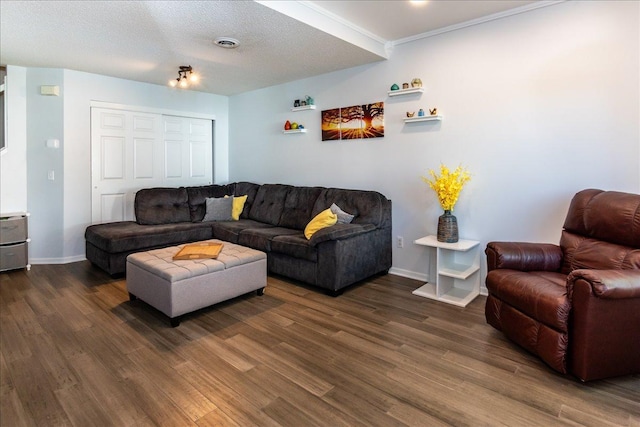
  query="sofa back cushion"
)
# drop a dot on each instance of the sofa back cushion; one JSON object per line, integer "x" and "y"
{"x": 198, "y": 196}
{"x": 250, "y": 190}
{"x": 602, "y": 231}
{"x": 161, "y": 206}
{"x": 298, "y": 206}
{"x": 611, "y": 216}
{"x": 268, "y": 204}
{"x": 368, "y": 207}
{"x": 584, "y": 252}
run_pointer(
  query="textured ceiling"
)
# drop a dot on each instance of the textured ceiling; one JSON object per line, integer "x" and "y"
{"x": 280, "y": 41}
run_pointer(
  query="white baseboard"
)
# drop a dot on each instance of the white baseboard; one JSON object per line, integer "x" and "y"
{"x": 65, "y": 260}
{"x": 408, "y": 274}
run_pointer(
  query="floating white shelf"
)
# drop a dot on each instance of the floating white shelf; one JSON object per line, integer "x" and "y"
{"x": 304, "y": 107}
{"x": 401, "y": 92}
{"x": 423, "y": 119}
{"x": 295, "y": 131}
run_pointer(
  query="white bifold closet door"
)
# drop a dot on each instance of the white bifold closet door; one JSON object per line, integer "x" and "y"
{"x": 133, "y": 150}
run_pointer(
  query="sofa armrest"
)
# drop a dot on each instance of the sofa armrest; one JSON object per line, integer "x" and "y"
{"x": 339, "y": 231}
{"x": 523, "y": 256}
{"x": 608, "y": 284}
{"x": 605, "y": 323}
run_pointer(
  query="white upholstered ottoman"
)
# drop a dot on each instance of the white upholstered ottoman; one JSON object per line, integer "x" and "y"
{"x": 179, "y": 287}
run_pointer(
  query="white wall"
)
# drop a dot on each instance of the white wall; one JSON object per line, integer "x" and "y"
{"x": 61, "y": 209}
{"x": 13, "y": 160}
{"x": 538, "y": 106}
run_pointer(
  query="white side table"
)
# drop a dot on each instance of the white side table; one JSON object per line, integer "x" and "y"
{"x": 457, "y": 271}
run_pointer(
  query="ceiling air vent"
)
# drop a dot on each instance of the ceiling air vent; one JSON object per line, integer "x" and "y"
{"x": 227, "y": 42}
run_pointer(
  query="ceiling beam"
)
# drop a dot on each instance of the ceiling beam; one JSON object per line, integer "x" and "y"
{"x": 323, "y": 20}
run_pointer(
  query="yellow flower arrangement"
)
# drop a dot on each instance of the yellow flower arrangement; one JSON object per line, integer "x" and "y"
{"x": 448, "y": 185}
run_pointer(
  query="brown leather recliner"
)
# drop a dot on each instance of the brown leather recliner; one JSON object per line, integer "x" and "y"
{"x": 576, "y": 305}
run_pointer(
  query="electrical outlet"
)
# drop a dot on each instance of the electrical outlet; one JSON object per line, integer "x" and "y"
{"x": 400, "y": 242}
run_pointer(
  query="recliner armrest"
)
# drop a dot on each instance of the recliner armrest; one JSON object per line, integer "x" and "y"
{"x": 607, "y": 284}
{"x": 523, "y": 256}
{"x": 339, "y": 231}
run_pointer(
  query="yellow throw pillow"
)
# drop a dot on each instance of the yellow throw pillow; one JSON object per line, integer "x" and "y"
{"x": 238, "y": 206}
{"x": 324, "y": 219}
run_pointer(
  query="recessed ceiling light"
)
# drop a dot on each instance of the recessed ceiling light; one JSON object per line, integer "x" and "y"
{"x": 227, "y": 42}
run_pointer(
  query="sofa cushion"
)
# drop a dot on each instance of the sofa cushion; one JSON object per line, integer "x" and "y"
{"x": 339, "y": 231}
{"x": 161, "y": 206}
{"x": 610, "y": 216}
{"x": 238, "y": 206}
{"x": 127, "y": 236}
{"x": 268, "y": 204}
{"x": 295, "y": 245}
{"x": 260, "y": 238}
{"x": 541, "y": 295}
{"x": 230, "y": 230}
{"x": 250, "y": 190}
{"x": 584, "y": 252}
{"x": 366, "y": 206}
{"x": 198, "y": 195}
{"x": 298, "y": 206}
{"x": 343, "y": 217}
{"x": 218, "y": 209}
{"x": 324, "y": 219}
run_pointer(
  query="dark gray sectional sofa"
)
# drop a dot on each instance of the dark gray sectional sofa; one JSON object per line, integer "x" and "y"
{"x": 273, "y": 221}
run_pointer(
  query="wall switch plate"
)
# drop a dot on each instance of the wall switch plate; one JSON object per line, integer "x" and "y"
{"x": 400, "y": 242}
{"x": 52, "y": 143}
{"x": 51, "y": 176}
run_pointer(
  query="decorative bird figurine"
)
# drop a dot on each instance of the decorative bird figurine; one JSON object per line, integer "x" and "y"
{"x": 410, "y": 114}
{"x": 433, "y": 112}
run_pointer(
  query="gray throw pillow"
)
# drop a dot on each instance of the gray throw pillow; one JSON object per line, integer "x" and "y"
{"x": 218, "y": 209}
{"x": 343, "y": 217}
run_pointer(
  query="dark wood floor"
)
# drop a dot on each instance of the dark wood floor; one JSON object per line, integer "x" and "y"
{"x": 75, "y": 351}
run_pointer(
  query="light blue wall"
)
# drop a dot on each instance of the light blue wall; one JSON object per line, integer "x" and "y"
{"x": 44, "y": 196}
{"x": 61, "y": 209}
{"x": 538, "y": 106}
{"x": 81, "y": 90}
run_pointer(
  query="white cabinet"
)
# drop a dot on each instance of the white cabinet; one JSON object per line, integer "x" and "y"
{"x": 14, "y": 241}
{"x": 457, "y": 278}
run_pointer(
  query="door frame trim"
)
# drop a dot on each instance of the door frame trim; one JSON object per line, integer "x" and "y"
{"x": 143, "y": 109}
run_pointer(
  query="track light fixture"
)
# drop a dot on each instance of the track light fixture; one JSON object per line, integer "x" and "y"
{"x": 186, "y": 76}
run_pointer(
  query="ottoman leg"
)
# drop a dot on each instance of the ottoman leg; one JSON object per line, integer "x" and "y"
{"x": 260, "y": 292}
{"x": 175, "y": 321}
{"x": 132, "y": 297}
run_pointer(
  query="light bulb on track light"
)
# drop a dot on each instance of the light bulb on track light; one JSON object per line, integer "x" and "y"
{"x": 185, "y": 77}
